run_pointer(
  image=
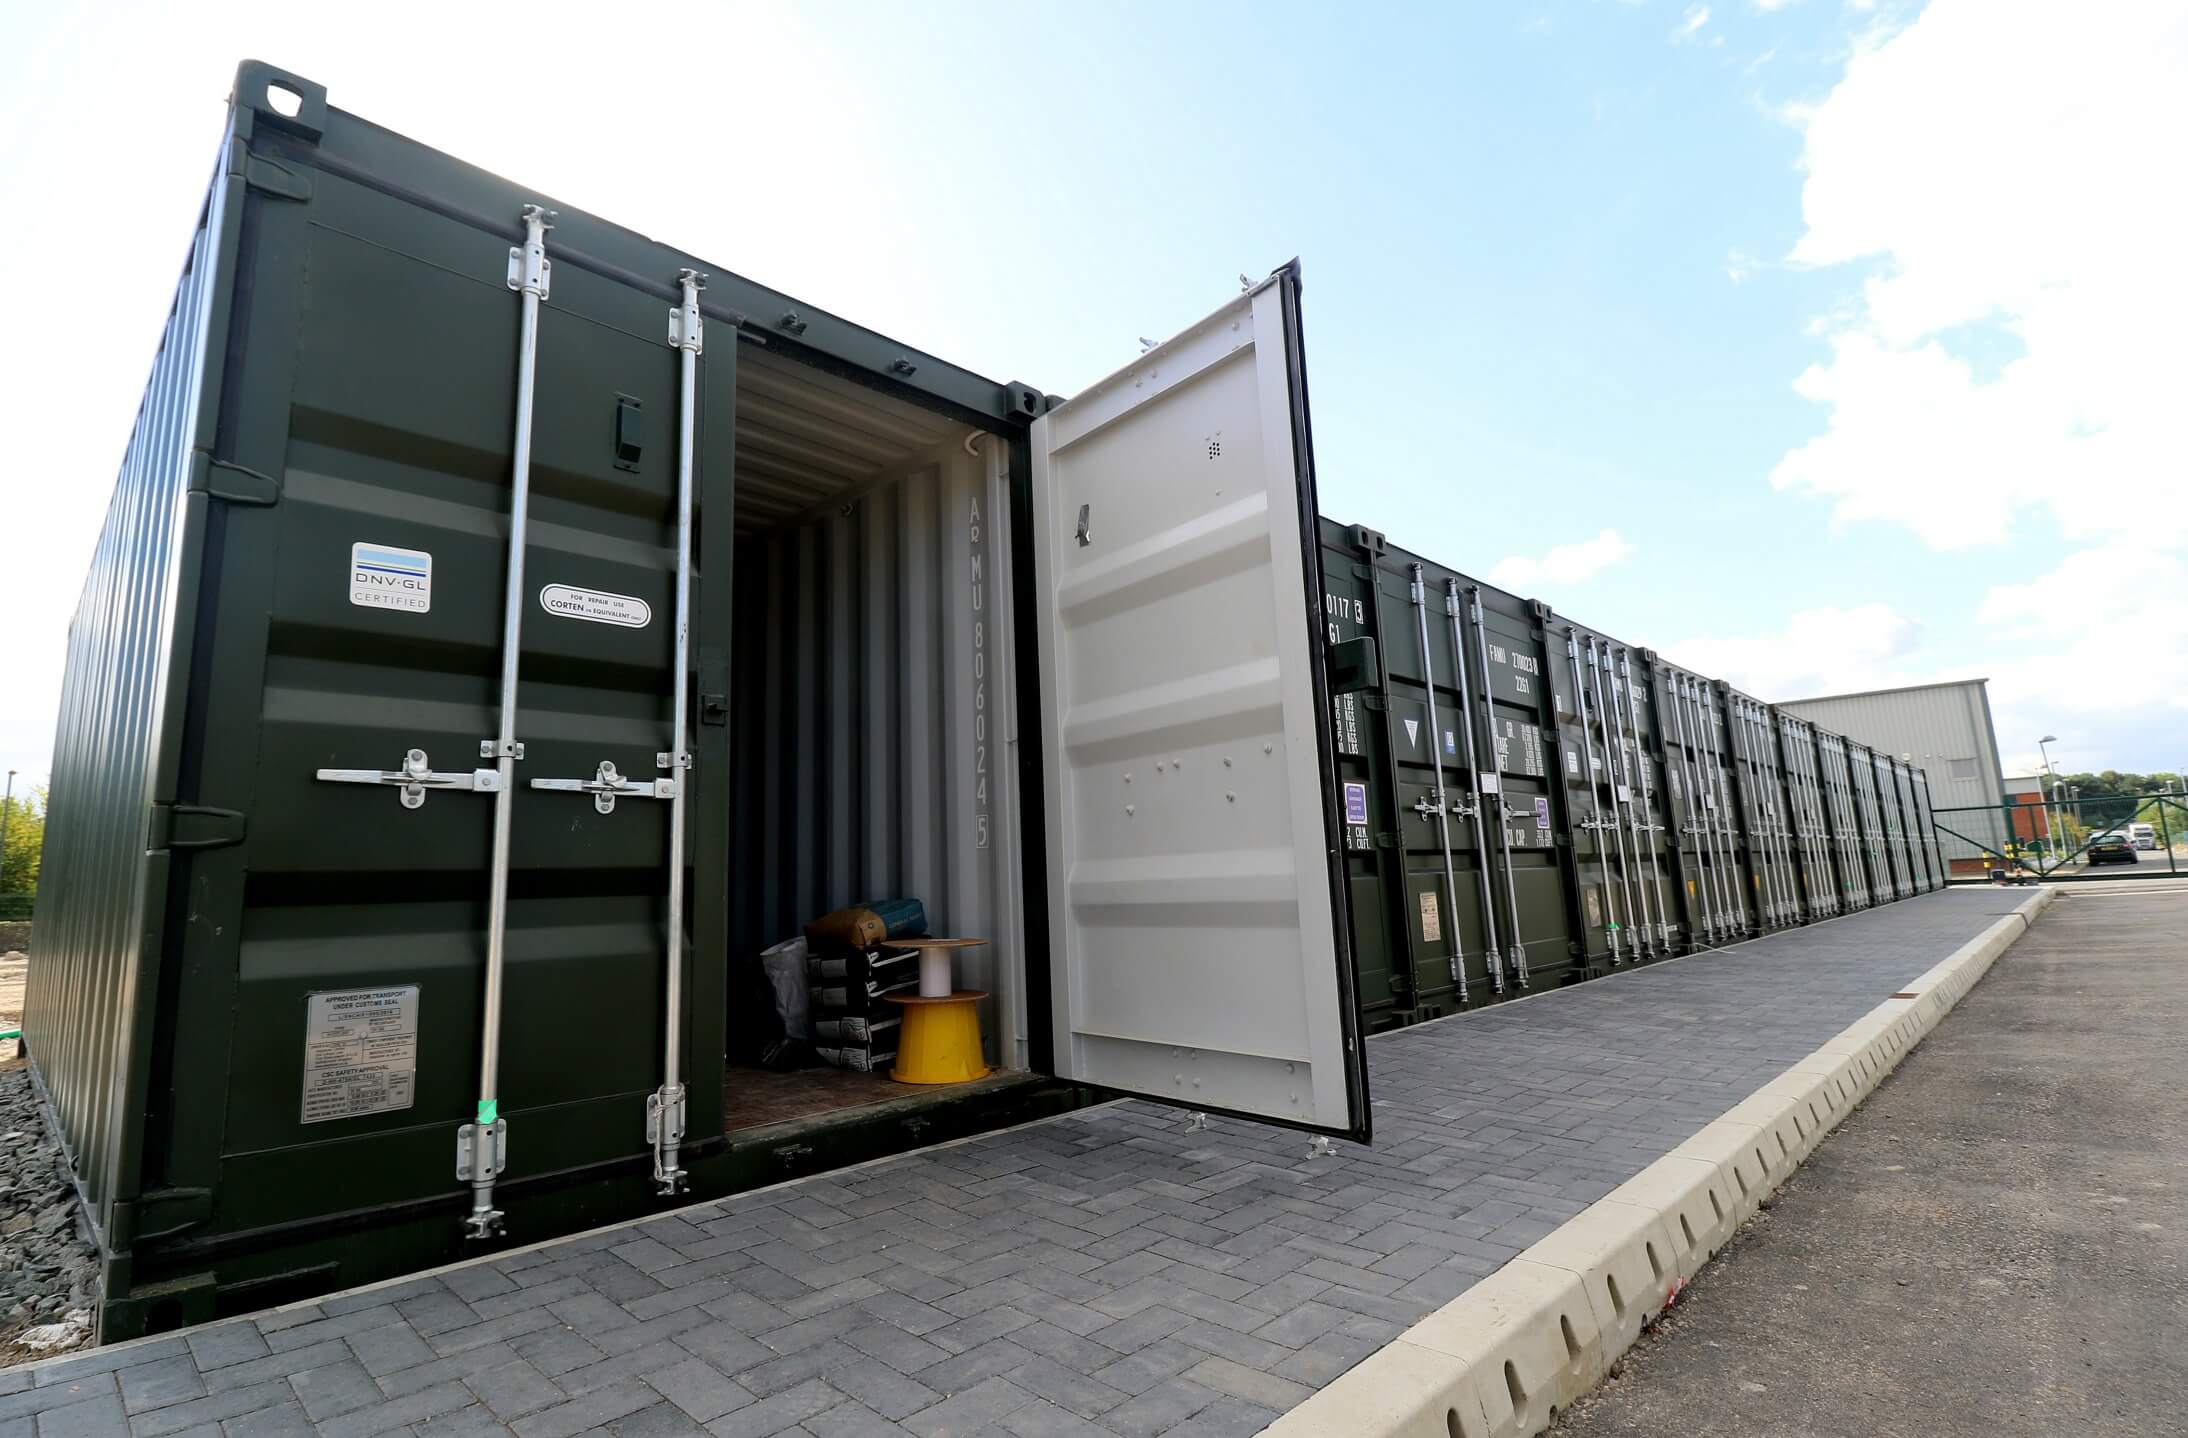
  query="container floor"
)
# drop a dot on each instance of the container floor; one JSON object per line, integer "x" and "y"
{"x": 1116, "y": 1271}
{"x": 755, "y": 1096}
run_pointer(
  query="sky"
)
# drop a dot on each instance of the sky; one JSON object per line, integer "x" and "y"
{"x": 1820, "y": 345}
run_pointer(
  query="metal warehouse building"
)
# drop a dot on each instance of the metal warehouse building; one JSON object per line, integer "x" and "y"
{"x": 1946, "y": 729}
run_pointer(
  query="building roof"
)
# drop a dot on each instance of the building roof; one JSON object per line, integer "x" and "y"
{"x": 1894, "y": 689}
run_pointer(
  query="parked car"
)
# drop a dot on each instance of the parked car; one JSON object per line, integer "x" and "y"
{"x": 2112, "y": 848}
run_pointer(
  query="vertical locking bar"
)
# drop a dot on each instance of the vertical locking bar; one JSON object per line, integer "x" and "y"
{"x": 1518, "y": 949}
{"x": 1504, "y": 812}
{"x": 1730, "y": 911}
{"x": 1705, "y": 889}
{"x": 1639, "y": 930}
{"x": 1443, "y": 809}
{"x": 1761, "y": 850}
{"x": 1594, "y": 823}
{"x": 665, "y": 1110}
{"x": 1649, "y": 826}
{"x": 488, "y": 1137}
{"x": 1626, "y": 794}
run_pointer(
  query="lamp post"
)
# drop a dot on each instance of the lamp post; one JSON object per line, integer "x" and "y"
{"x": 2051, "y": 810}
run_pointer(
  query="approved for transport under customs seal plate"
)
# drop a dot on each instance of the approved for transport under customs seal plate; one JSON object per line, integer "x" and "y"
{"x": 360, "y": 1052}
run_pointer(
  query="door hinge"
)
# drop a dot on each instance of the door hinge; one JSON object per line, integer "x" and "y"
{"x": 193, "y": 826}
{"x": 232, "y": 482}
{"x": 279, "y": 181}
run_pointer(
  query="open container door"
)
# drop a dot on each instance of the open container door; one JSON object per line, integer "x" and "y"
{"x": 1196, "y": 923}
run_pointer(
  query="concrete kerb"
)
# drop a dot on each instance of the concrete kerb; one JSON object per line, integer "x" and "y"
{"x": 1502, "y": 1358}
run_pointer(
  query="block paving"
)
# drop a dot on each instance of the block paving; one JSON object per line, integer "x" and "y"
{"x": 1113, "y": 1273}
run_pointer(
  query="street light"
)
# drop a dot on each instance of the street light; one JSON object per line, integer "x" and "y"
{"x": 2051, "y": 812}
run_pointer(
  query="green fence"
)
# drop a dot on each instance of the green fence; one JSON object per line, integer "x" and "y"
{"x": 2075, "y": 838}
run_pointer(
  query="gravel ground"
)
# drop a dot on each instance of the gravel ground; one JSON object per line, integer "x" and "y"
{"x": 47, "y": 1273}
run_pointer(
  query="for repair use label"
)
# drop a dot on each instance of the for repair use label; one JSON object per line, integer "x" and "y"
{"x": 360, "y": 1052}
{"x": 384, "y": 577}
{"x": 596, "y": 606}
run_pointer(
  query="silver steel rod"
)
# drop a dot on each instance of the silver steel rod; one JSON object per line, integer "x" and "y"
{"x": 1781, "y": 799}
{"x": 1726, "y": 853}
{"x": 487, "y": 1145}
{"x": 1795, "y": 820}
{"x": 1489, "y": 725}
{"x": 1857, "y": 846}
{"x": 1594, "y": 825}
{"x": 1705, "y": 886}
{"x": 1721, "y": 775}
{"x": 1518, "y": 950}
{"x": 1763, "y": 841}
{"x": 1473, "y": 780}
{"x": 1443, "y": 807}
{"x": 686, "y": 334}
{"x": 1841, "y": 830}
{"x": 1648, "y": 799}
{"x": 1618, "y": 830}
{"x": 1812, "y": 821}
{"x": 1624, "y": 792}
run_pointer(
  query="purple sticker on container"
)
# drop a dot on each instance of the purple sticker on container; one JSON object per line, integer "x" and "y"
{"x": 1542, "y": 813}
{"x": 1355, "y": 803}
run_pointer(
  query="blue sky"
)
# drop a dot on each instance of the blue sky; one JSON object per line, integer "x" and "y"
{"x": 1566, "y": 264}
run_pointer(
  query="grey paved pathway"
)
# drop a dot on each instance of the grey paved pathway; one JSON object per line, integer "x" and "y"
{"x": 1113, "y": 1273}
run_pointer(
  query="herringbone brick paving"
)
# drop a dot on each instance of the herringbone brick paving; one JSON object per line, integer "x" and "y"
{"x": 1116, "y": 1273}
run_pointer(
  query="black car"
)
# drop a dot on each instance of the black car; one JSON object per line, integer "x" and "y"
{"x": 2112, "y": 849}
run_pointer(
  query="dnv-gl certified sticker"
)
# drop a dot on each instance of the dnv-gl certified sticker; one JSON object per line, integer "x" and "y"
{"x": 384, "y": 577}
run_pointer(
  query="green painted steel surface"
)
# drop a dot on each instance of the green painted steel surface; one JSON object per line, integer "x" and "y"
{"x": 1652, "y": 812}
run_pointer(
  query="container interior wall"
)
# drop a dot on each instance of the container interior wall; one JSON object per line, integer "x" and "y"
{"x": 870, "y": 677}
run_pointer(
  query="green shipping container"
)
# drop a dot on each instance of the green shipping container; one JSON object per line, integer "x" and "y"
{"x": 505, "y": 628}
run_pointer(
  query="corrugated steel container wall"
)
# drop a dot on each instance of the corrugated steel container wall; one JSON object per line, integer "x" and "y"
{"x": 1617, "y": 793}
{"x": 1910, "y": 804}
{"x": 870, "y": 743}
{"x": 104, "y": 905}
{"x": 1895, "y": 831}
{"x": 1711, "y": 849}
{"x": 1945, "y": 729}
{"x": 1876, "y": 851}
{"x": 1842, "y": 807}
{"x": 1392, "y": 742}
{"x": 1940, "y": 874}
{"x": 1759, "y": 783}
{"x": 1666, "y": 809}
{"x": 1823, "y": 885}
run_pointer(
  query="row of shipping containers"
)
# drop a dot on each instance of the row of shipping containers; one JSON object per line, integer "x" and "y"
{"x": 1531, "y": 802}
{"x": 506, "y": 626}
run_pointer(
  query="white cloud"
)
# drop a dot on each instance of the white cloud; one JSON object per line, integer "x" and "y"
{"x": 2101, "y": 658}
{"x": 2013, "y": 363}
{"x": 1562, "y": 564}
{"x": 2004, "y": 171}
{"x": 1819, "y": 651}
{"x": 1691, "y": 23}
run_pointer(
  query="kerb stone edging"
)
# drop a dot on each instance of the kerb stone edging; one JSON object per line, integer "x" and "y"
{"x": 1503, "y": 1357}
